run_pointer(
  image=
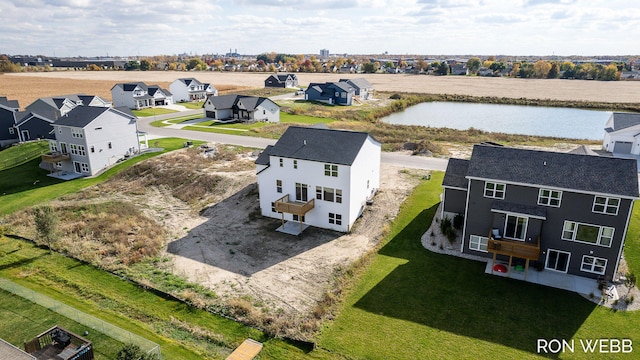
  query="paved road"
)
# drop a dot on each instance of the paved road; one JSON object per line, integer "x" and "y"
{"x": 144, "y": 124}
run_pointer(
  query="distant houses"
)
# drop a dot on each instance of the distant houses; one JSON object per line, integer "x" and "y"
{"x": 241, "y": 108}
{"x": 138, "y": 95}
{"x": 190, "y": 89}
{"x": 342, "y": 92}
{"x": 281, "y": 81}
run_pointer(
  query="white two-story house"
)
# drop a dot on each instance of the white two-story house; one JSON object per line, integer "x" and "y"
{"x": 190, "y": 89}
{"x": 89, "y": 139}
{"x": 318, "y": 177}
{"x": 139, "y": 96}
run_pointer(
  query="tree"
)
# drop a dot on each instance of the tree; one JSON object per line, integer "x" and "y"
{"x": 554, "y": 72}
{"x": 46, "y": 221}
{"x": 369, "y": 68}
{"x": 134, "y": 352}
{"x": 145, "y": 65}
{"x": 610, "y": 73}
{"x": 132, "y": 65}
{"x": 541, "y": 69}
{"x": 473, "y": 64}
{"x": 443, "y": 68}
{"x": 196, "y": 63}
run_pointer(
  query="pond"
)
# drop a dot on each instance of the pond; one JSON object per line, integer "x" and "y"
{"x": 511, "y": 119}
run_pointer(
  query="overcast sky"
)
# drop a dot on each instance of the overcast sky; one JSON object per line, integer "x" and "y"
{"x": 429, "y": 27}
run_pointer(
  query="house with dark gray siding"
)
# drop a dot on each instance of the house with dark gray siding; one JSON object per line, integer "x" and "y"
{"x": 332, "y": 93}
{"x": 281, "y": 81}
{"x": 8, "y": 110}
{"x": 562, "y": 212}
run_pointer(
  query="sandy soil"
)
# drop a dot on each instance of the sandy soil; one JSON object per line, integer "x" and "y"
{"x": 605, "y": 91}
{"x": 230, "y": 248}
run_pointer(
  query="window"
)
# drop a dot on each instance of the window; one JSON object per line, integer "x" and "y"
{"x": 279, "y": 186}
{"x": 93, "y": 149}
{"x": 478, "y": 243}
{"x": 593, "y": 264}
{"x": 295, "y": 164}
{"x": 592, "y": 234}
{"x": 84, "y": 167}
{"x": 494, "y": 190}
{"x": 76, "y": 133}
{"x": 281, "y": 162}
{"x": 328, "y": 194}
{"x": 110, "y": 147}
{"x": 515, "y": 227}
{"x": 549, "y": 197}
{"x": 606, "y": 205}
{"x": 339, "y": 196}
{"x": 273, "y": 208}
{"x": 297, "y": 218}
{"x": 77, "y": 150}
{"x": 11, "y": 131}
{"x": 301, "y": 192}
{"x": 330, "y": 170}
{"x": 53, "y": 146}
{"x": 557, "y": 260}
{"x": 319, "y": 192}
{"x": 335, "y": 219}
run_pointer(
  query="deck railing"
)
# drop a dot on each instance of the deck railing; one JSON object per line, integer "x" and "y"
{"x": 300, "y": 208}
{"x": 515, "y": 248}
{"x": 54, "y": 157}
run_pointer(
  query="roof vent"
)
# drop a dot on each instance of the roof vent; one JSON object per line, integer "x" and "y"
{"x": 304, "y": 142}
{"x": 544, "y": 164}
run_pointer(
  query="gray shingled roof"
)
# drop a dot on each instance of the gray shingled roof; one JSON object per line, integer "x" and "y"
{"x": 533, "y": 210}
{"x": 81, "y": 116}
{"x": 223, "y": 101}
{"x": 9, "y": 103}
{"x": 455, "y": 175}
{"x": 562, "y": 170}
{"x": 322, "y": 145}
{"x": 263, "y": 159}
{"x": 625, "y": 120}
{"x": 360, "y": 83}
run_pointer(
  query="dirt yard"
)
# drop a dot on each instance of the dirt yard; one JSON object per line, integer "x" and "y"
{"x": 26, "y": 87}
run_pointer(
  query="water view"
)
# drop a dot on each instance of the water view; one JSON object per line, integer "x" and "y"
{"x": 511, "y": 119}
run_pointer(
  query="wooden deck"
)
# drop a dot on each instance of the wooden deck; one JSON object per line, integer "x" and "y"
{"x": 284, "y": 205}
{"x": 54, "y": 157}
{"x": 514, "y": 248}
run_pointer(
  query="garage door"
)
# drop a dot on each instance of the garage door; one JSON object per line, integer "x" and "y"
{"x": 622, "y": 147}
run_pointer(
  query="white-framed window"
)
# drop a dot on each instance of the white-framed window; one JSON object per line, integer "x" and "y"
{"x": 53, "y": 146}
{"x": 92, "y": 149}
{"x": 557, "y": 260}
{"x": 279, "y": 186}
{"x": 330, "y": 170}
{"x": 339, "y": 196}
{"x": 592, "y": 264}
{"x": 84, "y": 167}
{"x": 606, "y": 205}
{"x": 59, "y": 165}
{"x": 494, "y": 190}
{"x": 301, "y": 192}
{"x": 12, "y": 131}
{"x": 77, "y": 133}
{"x": 587, "y": 233}
{"x": 295, "y": 164}
{"x": 478, "y": 243}
{"x": 335, "y": 219}
{"x": 281, "y": 162}
{"x": 273, "y": 208}
{"x": 328, "y": 194}
{"x": 77, "y": 150}
{"x": 110, "y": 145}
{"x": 298, "y": 218}
{"x": 319, "y": 192}
{"x": 515, "y": 227}
{"x": 549, "y": 197}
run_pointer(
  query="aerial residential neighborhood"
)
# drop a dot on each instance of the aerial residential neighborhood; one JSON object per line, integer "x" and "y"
{"x": 267, "y": 180}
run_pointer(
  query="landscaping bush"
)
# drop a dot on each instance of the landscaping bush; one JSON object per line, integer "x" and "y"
{"x": 458, "y": 220}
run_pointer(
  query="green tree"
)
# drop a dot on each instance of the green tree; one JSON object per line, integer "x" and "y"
{"x": 134, "y": 352}
{"x": 610, "y": 73}
{"x": 145, "y": 65}
{"x": 473, "y": 64}
{"x": 46, "y": 221}
{"x": 132, "y": 65}
{"x": 369, "y": 68}
{"x": 195, "y": 63}
{"x": 541, "y": 69}
{"x": 554, "y": 71}
{"x": 443, "y": 68}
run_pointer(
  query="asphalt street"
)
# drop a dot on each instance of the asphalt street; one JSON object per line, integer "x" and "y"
{"x": 144, "y": 124}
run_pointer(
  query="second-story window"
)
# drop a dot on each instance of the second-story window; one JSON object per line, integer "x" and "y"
{"x": 281, "y": 162}
{"x": 606, "y": 205}
{"x": 331, "y": 170}
{"x": 77, "y": 133}
{"x": 279, "y": 186}
{"x": 549, "y": 197}
{"x": 494, "y": 190}
{"x": 295, "y": 164}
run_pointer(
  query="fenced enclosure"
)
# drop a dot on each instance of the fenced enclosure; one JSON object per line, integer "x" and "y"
{"x": 80, "y": 317}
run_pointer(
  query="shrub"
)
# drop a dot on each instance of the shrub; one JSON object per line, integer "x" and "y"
{"x": 458, "y": 220}
{"x": 445, "y": 224}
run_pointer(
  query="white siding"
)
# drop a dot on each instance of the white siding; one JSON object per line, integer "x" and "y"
{"x": 267, "y": 111}
{"x": 122, "y": 98}
{"x": 179, "y": 90}
{"x": 365, "y": 179}
{"x": 110, "y": 128}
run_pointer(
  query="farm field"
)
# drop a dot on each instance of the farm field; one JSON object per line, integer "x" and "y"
{"x": 27, "y": 87}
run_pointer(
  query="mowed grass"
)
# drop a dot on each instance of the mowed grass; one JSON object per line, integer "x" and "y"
{"x": 21, "y": 320}
{"x": 16, "y": 155}
{"x": 152, "y": 112}
{"x": 412, "y": 303}
{"x": 254, "y": 129}
{"x": 27, "y": 185}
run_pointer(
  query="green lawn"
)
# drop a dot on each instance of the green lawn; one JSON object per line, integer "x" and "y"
{"x": 16, "y": 155}
{"x": 152, "y": 112}
{"x": 28, "y": 185}
{"x": 192, "y": 105}
{"x": 246, "y": 128}
{"x": 21, "y": 320}
{"x": 412, "y": 303}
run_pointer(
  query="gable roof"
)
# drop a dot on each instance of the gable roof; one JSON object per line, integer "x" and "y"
{"x": 322, "y": 145}
{"x": 455, "y": 175}
{"x": 152, "y": 89}
{"x": 81, "y": 116}
{"x": 130, "y": 86}
{"x": 251, "y": 102}
{"x": 360, "y": 83}
{"x": 625, "y": 120}
{"x": 12, "y": 104}
{"x": 188, "y": 81}
{"x": 594, "y": 174}
{"x": 341, "y": 85}
{"x": 222, "y": 101}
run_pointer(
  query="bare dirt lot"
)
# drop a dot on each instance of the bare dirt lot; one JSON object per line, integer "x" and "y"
{"x": 27, "y": 87}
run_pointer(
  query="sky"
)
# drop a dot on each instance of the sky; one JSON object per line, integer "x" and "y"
{"x": 428, "y": 27}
